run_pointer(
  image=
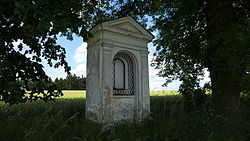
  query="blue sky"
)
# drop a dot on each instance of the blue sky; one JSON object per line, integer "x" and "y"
{"x": 76, "y": 57}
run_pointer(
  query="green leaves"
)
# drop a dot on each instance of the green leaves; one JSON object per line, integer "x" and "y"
{"x": 37, "y": 23}
{"x": 198, "y": 34}
{"x": 192, "y": 35}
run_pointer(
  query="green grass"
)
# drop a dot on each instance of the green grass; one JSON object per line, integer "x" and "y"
{"x": 72, "y": 94}
{"x": 170, "y": 120}
{"x": 164, "y": 93}
{"x": 69, "y": 94}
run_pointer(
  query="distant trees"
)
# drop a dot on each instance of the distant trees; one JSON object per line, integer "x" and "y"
{"x": 28, "y": 35}
{"x": 71, "y": 82}
{"x": 192, "y": 36}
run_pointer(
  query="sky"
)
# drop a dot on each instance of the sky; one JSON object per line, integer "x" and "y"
{"x": 76, "y": 56}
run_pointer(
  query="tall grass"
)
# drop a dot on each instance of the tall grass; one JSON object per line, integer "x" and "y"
{"x": 72, "y": 94}
{"x": 164, "y": 93}
{"x": 169, "y": 120}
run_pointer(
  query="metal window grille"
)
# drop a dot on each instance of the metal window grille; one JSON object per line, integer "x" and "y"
{"x": 129, "y": 90}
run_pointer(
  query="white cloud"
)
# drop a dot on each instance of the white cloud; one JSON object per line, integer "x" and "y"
{"x": 60, "y": 73}
{"x": 150, "y": 58}
{"x": 79, "y": 70}
{"x": 152, "y": 70}
{"x": 56, "y": 74}
{"x": 156, "y": 82}
{"x": 81, "y": 53}
{"x": 206, "y": 77}
{"x": 61, "y": 70}
{"x": 16, "y": 43}
{"x": 80, "y": 57}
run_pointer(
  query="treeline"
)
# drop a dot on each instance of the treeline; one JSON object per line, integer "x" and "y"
{"x": 71, "y": 82}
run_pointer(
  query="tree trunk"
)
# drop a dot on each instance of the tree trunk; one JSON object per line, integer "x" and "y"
{"x": 223, "y": 65}
{"x": 225, "y": 91}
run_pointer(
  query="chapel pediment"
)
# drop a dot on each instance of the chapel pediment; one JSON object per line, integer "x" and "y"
{"x": 127, "y": 26}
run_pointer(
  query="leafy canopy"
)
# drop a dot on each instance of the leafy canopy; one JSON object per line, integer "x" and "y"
{"x": 197, "y": 35}
{"x": 192, "y": 36}
{"x": 202, "y": 34}
{"x": 35, "y": 26}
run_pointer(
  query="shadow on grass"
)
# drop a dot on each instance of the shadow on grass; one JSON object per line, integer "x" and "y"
{"x": 40, "y": 121}
{"x": 169, "y": 120}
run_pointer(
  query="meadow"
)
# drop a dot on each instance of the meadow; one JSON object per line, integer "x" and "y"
{"x": 170, "y": 120}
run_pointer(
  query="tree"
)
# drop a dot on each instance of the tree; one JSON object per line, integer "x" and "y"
{"x": 82, "y": 83}
{"x": 198, "y": 34}
{"x": 35, "y": 26}
{"x": 71, "y": 82}
{"x": 192, "y": 35}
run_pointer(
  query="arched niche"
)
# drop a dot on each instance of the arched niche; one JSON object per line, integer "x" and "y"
{"x": 123, "y": 74}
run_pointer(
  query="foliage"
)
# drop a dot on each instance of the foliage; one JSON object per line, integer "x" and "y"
{"x": 71, "y": 82}
{"x": 64, "y": 120}
{"x": 192, "y": 36}
{"x": 28, "y": 35}
{"x": 199, "y": 34}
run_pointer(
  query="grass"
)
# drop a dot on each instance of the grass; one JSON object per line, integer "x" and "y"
{"x": 72, "y": 94}
{"x": 170, "y": 120}
{"x": 164, "y": 93}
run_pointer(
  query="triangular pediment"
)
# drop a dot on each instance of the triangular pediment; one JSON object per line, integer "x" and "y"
{"x": 127, "y": 26}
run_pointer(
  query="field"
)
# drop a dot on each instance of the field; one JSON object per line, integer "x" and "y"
{"x": 170, "y": 120}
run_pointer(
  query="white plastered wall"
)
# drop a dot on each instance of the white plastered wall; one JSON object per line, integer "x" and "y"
{"x": 122, "y": 35}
